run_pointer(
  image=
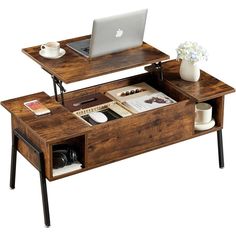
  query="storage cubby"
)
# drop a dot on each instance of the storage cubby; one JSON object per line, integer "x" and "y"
{"x": 73, "y": 150}
{"x": 217, "y": 110}
{"x": 217, "y": 114}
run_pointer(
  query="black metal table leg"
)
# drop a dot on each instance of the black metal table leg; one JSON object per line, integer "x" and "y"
{"x": 18, "y": 135}
{"x": 13, "y": 160}
{"x": 220, "y": 148}
{"x": 44, "y": 191}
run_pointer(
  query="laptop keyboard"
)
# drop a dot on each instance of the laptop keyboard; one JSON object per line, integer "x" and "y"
{"x": 85, "y": 49}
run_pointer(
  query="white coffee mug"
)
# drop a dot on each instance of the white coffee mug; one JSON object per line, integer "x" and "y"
{"x": 203, "y": 113}
{"x": 51, "y": 49}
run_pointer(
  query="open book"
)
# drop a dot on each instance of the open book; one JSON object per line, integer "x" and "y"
{"x": 148, "y": 102}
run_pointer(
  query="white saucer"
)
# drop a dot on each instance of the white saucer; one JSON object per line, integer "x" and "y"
{"x": 61, "y": 53}
{"x": 204, "y": 126}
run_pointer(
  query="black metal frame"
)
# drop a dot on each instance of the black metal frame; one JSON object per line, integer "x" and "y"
{"x": 159, "y": 68}
{"x": 57, "y": 82}
{"x": 156, "y": 67}
{"x": 16, "y": 135}
{"x": 220, "y": 149}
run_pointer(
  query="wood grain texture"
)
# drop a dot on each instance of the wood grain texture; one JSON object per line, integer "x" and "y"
{"x": 59, "y": 125}
{"x": 218, "y": 110}
{"x": 129, "y": 136}
{"x": 122, "y": 138}
{"x": 44, "y": 131}
{"x": 145, "y": 77}
{"x": 22, "y": 147}
{"x": 200, "y": 133}
{"x": 206, "y": 88}
{"x": 103, "y": 88}
{"x": 73, "y": 67}
{"x": 144, "y": 131}
{"x": 27, "y": 152}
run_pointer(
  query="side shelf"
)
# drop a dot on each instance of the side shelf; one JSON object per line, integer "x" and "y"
{"x": 208, "y": 89}
{"x": 217, "y": 114}
{"x": 73, "y": 153}
{"x": 218, "y": 110}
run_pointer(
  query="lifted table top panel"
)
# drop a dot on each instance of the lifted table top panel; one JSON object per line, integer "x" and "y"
{"x": 73, "y": 67}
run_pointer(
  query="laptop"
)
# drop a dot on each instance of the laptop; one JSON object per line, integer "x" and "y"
{"x": 113, "y": 34}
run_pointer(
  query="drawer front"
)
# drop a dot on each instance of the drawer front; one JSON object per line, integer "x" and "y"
{"x": 142, "y": 132}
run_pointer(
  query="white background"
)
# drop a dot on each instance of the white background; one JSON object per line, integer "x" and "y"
{"x": 177, "y": 190}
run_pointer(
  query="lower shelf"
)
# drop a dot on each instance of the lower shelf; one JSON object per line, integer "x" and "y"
{"x": 66, "y": 169}
{"x": 198, "y": 133}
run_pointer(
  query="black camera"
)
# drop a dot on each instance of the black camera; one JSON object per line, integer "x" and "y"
{"x": 64, "y": 156}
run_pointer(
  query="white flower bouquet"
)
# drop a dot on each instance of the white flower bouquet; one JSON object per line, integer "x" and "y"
{"x": 191, "y": 52}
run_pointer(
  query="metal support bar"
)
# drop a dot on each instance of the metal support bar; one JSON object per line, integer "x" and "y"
{"x": 220, "y": 148}
{"x": 62, "y": 90}
{"x": 156, "y": 68}
{"x": 13, "y": 160}
{"x": 55, "y": 88}
{"x": 18, "y": 135}
{"x": 44, "y": 191}
{"x": 160, "y": 70}
{"x": 57, "y": 82}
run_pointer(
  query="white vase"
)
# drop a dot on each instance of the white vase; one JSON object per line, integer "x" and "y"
{"x": 189, "y": 71}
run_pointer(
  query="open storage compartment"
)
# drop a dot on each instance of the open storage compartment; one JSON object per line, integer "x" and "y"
{"x": 140, "y": 132}
{"x": 217, "y": 110}
{"x": 68, "y": 156}
{"x": 217, "y": 114}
